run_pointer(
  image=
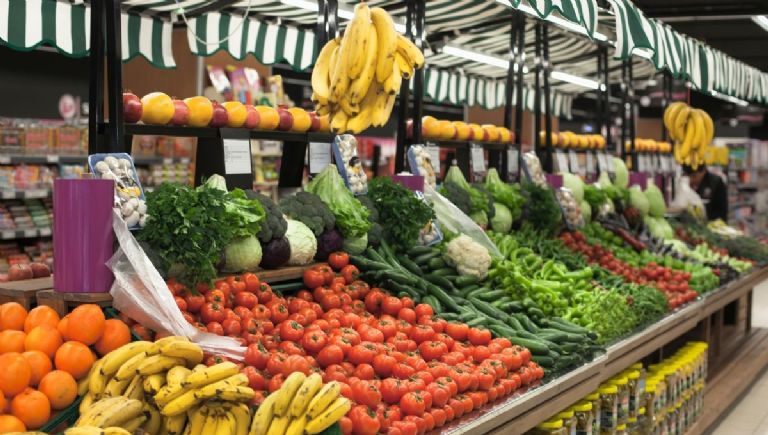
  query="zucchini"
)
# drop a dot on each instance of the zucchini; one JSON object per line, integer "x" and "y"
{"x": 465, "y": 280}
{"x": 436, "y": 263}
{"x": 445, "y": 271}
{"x": 419, "y": 250}
{"x": 424, "y": 258}
{"x": 439, "y": 281}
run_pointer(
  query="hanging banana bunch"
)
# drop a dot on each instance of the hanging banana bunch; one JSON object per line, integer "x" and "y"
{"x": 692, "y": 130}
{"x": 357, "y": 76}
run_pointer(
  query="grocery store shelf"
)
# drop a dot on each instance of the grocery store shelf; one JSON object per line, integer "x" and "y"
{"x": 265, "y": 183}
{"x": 41, "y": 159}
{"x": 24, "y": 234}
{"x": 157, "y": 160}
{"x": 465, "y": 144}
{"x": 748, "y": 186}
{"x": 523, "y": 412}
{"x": 25, "y": 193}
{"x": 211, "y": 132}
{"x": 268, "y": 154}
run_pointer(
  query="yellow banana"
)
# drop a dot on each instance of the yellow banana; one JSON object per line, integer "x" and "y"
{"x": 296, "y": 426}
{"x": 153, "y": 383}
{"x": 278, "y": 425}
{"x": 115, "y": 387}
{"x": 698, "y": 124}
{"x": 690, "y": 135}
{"x": 392, "y": 83}
{"x": 156, "y": 346}
{"x": 321, "y": 81}
{"x": 168, "y": 393}
{"x": 210, "y": 374}
{"x": 227, "y": 424}
{"x": 211, "y": 390}
{"x": 197, "y": 420}
{"x": 87, "y": 415}
{"x": 358, "y": 35}
{"x": 406, "y": 69}
{"x": 360, "y": 122}
{"x": 263, "y": 416}
{"x": 307, "y": 391}
{"x": 350, "y": 108}
{"x": 135, "y": 390}
{"x": 129, "y": 369}
{"x": 154, "y": 420}
{"x": 359, "y": 86}
{"x": 86, "y": 403}
{"x": 158, "y": 364}
{"x": 338, "y": 409}
{"x": 327, "y": 395}
{"x": 211, "y": 423}
{"x": 84, "y": 384}
{"x": 411, "y": 53}
{"x": 680, "y": 122}
{"x": 180, "y": 404}
{"x": 175, "y": 424}
{"x": 84, "y": 430}
{"x": 386, "y": 42}
{"x": 177, "y": 375}
{"x": 709, "y": 127}
{"x": 187, "y": 350}
{"x": 339, "y": 122}
{"x": 322, "y": 109}
{"x": 376, "y": 101}
{"x": 339, "y": 76}
{"x": 242, "y": 415}
{"x": 287, "y": 391}
{"x": 112, "y": 361}
{"x": 116, "y": 431}
{"x": 120, "y": 413}
{"x": 669, "y": 116}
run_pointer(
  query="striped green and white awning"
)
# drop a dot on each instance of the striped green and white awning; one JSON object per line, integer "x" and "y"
{"x": 27, "y": 24}
{"x": 446, "y": 86}
{"x": 581, "y": 12}
{"x": 269, "y": 43}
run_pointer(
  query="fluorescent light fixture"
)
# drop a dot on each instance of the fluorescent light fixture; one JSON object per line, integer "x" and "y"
{"x": 762, "y": 21}
{"x": 576, "y": 80}
{"x": 554, "y": 20}
{"x": 476, "y": 57}
{"x": 343, "y": 13}
{"x": 734, "y": 100}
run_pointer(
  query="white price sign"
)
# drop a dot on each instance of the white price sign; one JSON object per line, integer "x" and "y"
{"x": 237, "y": 156}
{"x": 477, "y": 155}
{"x": 609, "y": 161}
{"x": 602, "y": 161}
{"x": 590, "y": 163}
{"x": 512, "y": 164}
{"x": 574, "y": 163}
{"x": 434, "y": 157}
{"x": 319, "y": 156}
{"x": 562, "y": 161}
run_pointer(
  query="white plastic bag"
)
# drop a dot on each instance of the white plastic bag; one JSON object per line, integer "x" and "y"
{"x": 452, "y": 218}
{"x": 686, "y": 199}
{"x": 141, "y": 293}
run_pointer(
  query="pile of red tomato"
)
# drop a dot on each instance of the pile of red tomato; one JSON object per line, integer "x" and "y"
{"x": 406, "y": 370}
{"x": 673, "y": 283}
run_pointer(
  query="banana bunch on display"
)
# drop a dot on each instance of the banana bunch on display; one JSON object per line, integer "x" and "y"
{"x": 693, "y": 131}
{"x": 162, "y": 388}
{"x": 301, "y": 405}
{"x": 357, "y": 77}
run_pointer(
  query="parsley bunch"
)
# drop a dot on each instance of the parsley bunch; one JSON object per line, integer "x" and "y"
{"x": 402, "y": 214}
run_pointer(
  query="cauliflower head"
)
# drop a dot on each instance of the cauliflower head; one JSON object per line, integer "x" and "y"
{"x": 468, "y": 256}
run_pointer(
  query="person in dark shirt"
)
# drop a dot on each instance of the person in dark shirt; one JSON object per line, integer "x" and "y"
{"x": 711, "y": 189}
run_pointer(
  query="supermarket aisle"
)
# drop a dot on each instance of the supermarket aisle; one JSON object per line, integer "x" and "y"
{"x": 748, "y": 417}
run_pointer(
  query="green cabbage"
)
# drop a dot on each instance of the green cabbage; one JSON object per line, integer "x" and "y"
{"x": 586, "y": 211}
{"x": 242, "y": 255}
{"x": 480, "y": 218}
{"x": 638, "y": 200}
{"x": 502, "y": 219}
{"x": 302, "y": 241}
{"x": 351, "y": 215}
{"x": 622, "y": 174}
{"x": 656, "y": 208}
{"x": 504, "y": 193}
{"x": 604, "y": 180}
{"x": 357, "y": 245}
{"x": 574, "y": 184}
{"x": 659, "y": 227}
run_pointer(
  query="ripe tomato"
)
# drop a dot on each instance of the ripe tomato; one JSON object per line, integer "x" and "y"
{"x": 366, "y": 393}
{"x": 406, "y": 427}
{"x": 278, "y": 313}
{"x": 424, "y": 310}
{"x": 237, "y": 286}
{"x": 255, "y": 378}
{"x": 275, "y": 383}
{"x": 291, "y": 330}
{"x": 275, "y": 363}
{"x": 479, "y": 336}
{"x": 383, "y": 364}
{"x": 295, "y": 363}
{"x": 449, "y": 413}
{"x": 372, "y": 334}
{"x": 194, "y": 302}
{"x": 231, "y": 327}
{"x": 422, "y": 333}
{"x": 216, "y": 296}
{"x": 391, "y": 305}
{"x": 334, "y": 372}
{"x": 445, "y": 338}
{"x": 313, "y": 278}
{"x": 291, "y": 348}
{"x": 466, "y": 402}
{"x": 402, "y": 371}
{"x": 412, "y": 403}
{"x": 392, "y": 390}
{"x": 449, "y": 384}
{"x": 330, "y": 354}
{"x": 480, "y": 353}
{"x": 350, "y": 273}
{"x": 432, "y": 350}
{"x": 457, "y": 406}
{"x": 429, "y": 421}
{"x": 407, "y": 314}
{"x": 457, "y": 331}
{"x": 439, "y": 416}
{"x": 346, "y": 425}
{"x": 212, "y": 312}
{"x": 337, "y": 260}
{"x": 314, "y": 341}
{"x": 342, "y": 342}
{"x": 215, "y": 328}
{"x": 261, "y": 312}
{"x": 364, "y": 372}
{"x": 256, "y": 355}
{"x": 364, "y": 421}
{"x": 439, "y": 394}
{"x": 373, "y": 301}
{"x": 362, "y": 353}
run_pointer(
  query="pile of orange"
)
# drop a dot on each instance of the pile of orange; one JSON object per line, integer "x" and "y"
{"x": 42, "y": 358}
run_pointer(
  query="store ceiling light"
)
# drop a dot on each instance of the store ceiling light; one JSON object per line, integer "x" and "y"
{"x": 762, "y": 21}
{"x": 734, "y": 100}
{"x": 479, "y": 57}
{"x": 343, "y": 13}
{"x": 576, "y": 80}
{"x": 554, "y": 20}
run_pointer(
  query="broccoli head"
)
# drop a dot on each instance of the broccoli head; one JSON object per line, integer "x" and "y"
{"x": 458, "y": 196}
{"x": 491, "y": 209}
{"x": 274, "y": 224}
{"x": 310, "y": 210}
{"x": 373, "y": 216}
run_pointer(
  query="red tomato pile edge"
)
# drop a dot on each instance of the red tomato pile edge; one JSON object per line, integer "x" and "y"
{"x": 406, "y": 371}
{"x": 673, "y": 283}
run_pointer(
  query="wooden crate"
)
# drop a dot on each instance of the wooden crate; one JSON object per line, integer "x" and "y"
{"x": 24, "y": 292}
{"x": 63, "y": 302}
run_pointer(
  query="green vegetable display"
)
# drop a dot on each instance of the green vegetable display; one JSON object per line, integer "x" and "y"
{"x": 541, "y": 208}
{"x": 502, "y": 218}
{"x": 310, "y": 210}
{"x": 274, "y": 225}
{"x": 302, "y": 242}
{"x": 574, "y": 183}
{"x": 351, "y": 216}
{"x": 190, "y": 228}
{"x": 242, "y": 254}
{"x": 621, "y": 173}
{"x": 656, "y": 206}
{"x": 505, "y": 194}
{"x": 478, "y": 201}
{"x": 402, "y": 215}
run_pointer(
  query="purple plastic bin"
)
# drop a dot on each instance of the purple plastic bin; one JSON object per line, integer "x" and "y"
{"x": 639, "y": 179}
{"x": 412, "y": 182}
{"x": 83, "y": 240}
{"x": 555, "y": 181}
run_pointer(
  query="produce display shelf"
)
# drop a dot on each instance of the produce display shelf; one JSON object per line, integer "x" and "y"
{"x": 41, "y": 159}
{"x": 212, "y": 132}
{"x": 466, "y": 144}
{"x": 24, "y": 193}
{"x": 24, "y": 234}
{"x": 525, "y": 411}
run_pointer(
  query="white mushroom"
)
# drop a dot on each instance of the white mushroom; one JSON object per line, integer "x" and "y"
{"x": 101, "y": 167}
{"x": 133, "y": 219}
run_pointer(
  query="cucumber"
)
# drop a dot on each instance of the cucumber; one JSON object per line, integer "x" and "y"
{"x": 502, "y": 331}
{"x": 465, "y": 290}
{"x": 439, "y": 281}
{"x": 445, "y": 271}
{"x": 419, "y": 250}
{"x": 465, "y": 280}
{"x": 424, "y": 258}
{"x": 544, "y": 361}
{"x": 477, "y": 321}
{"x": 511, "y": 307}
{"x": 527, "y": 323}
{"x": 536, "y": 347}
{"x": 491, "y": 295}
{"x": 476, "y": 292}
{"x": 501, "y": 301}
{"x": 436, "y": 263}
{"x": 443, "y": 298}
{"x": 410, "y": 265}
{"x": 451, "y": 317}
{"x": 368, "y": 264}
{"x": 433, "y": 302}
{"x": 401, "y": 288}
{"x": 515, "y": 324}
{"x": 488, "y": 309}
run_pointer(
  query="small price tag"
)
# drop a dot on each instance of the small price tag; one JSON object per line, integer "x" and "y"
{"x": 8, "y": 194}
{"x": 45, "y": 232}
{"x": 185, "y": 160}
{"x": 30, "y": 233}
{"x": 573, "y": 162}
{"x": 601, "y": 161}
{"x": 52, "y": 158}
{"x": 640, "y": 163}
{"x": 434, "y": 157}
{"x": 5, "y": 160}
{"x": 512, "y": 164}
{"x": 477, "y": 155}
{"x": 237, "y": 156}
{"x": 609, "y": 161}
{"x": 664, "y": 161}
{"x": 167, "y": 161}
{"x": 319, "y": 156}
{"x": 562, "y": 161}
{"x": 8, "y": 234}
{"x": 591, "y": 163}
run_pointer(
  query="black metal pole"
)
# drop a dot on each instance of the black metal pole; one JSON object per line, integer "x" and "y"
{"x": 537, "y": 92}
{"x": 624, "y": 111}
{"x": 96, "y": 82}
{"x": 418, "y": 79}
{"x": 632, "y": 113}
{"x": 607, "y": 98}
{"x": 548, "y": 164}
{"x": 665, "y": 100}
{"x": 519, "y": 104}
{"x": 114, "y": 78}
{"x": 403, "y": 104}
{"x": 509, "y": 92}
{"x": 599, "y": 101}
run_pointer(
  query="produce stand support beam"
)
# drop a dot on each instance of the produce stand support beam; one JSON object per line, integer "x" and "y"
{"x": 547, "y": 69}
{"x": 404, "y": 102}
{"x": 114, "y": 77}
{"x": 419, "y": 17}
{"x": 509, "y": 92}
{"x": 607, "y": 96}
{"x": 520, "y": 57}
{"x": 327, "y": 21}
{"x": 96, "y": 76}
{"x": 537, "y": 92}
{"x": 632, "y": 111}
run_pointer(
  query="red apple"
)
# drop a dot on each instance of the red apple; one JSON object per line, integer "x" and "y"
{"x": 471, "y": 135}
{"x": 132, "y": 107}
{"x": 40, "y": 270}
{"x": 180, "y": 113}
{"x": 20, "y": 272}
{"x": 315, "y": 121}
{"x": 286, "y": 119}
{"x": 252, "y": 117}
{"x": 219, "y": 118}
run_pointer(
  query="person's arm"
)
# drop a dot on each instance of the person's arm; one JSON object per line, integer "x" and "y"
{"x": 719, "y": 201}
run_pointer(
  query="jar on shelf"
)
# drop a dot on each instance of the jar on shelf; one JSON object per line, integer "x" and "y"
{"x": 621, "y": 429}
{"x": 585, "y": 419}
{"x": 622, "y": 399}
{"x": 608, "y": 409}
{"x": 635, "y": 391}
{"x": 569, "y": 421}
{"x": 594, "y": 399}
{"x": 553, "y": 426}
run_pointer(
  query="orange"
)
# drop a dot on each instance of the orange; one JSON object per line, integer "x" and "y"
{"x": 236, "y": 113}
{"x": 32, "y": 408}
{"x": 3, "y": 404}
{"x": 44, "y": 338}
{"x": 12, "y": 340}
{"x": 268, "y": 117}
{"x": 15, "y": 373}
{"x": 41, "y": 315}
{"x": 157, "y": 108}
{"x": 200, "y": 111}
{"x": 39, "y": 364}
{"x": 62, "y": 327}
{"x": 74, "y": 358}
{"x": 12, "y": 316}
{"x": 116, "y": 334}
{"x": 60, "y": 388}
{"x": 86, "y": 324}
{"x": 301, "y": 119}
{"x": 9, "y": 423}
